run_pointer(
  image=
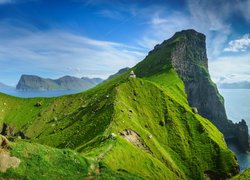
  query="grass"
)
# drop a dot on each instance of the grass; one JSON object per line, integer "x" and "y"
{"x": 243, "y": 176}
{"x": 180, "y": 144}
{"x": 185, "y": 147}
{"x": 43, "y": 162}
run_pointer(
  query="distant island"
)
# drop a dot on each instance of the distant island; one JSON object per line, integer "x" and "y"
{"x": 2, "y": 85}
{"x": 36, "y": 83}
{"x": 235, "y": 85}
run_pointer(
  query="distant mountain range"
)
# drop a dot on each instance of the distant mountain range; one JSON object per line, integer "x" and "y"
{"x": 32, "y": 82}
{"x": 235, "y": 85}
{"x": 4, "y": 86}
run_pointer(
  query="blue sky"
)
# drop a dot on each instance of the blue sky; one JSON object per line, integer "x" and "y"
{"x": 95, "y": 38}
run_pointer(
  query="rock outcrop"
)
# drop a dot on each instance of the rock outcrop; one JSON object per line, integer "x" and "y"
{"x": 185, "y": 52}
{"x": 240, "y": 135}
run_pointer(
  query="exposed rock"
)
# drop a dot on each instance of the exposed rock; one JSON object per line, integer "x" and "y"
{"x": 195, "y": 110}
{"x": 10, "y": 133}
{"x": 20, "y": 135}
{"x": 7, "y": 130}
{"x": 3, "y": 142}
{"x": 6, "y": 161}
{"x": 135, "y": 139}
{"x": 241, "y": 135}
{"x": 150, "y": 136}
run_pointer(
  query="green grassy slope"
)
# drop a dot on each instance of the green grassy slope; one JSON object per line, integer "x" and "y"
{"x": 174, "y": 143}
{"x": 44, "y": 162}
{"x": 243, "y": 176}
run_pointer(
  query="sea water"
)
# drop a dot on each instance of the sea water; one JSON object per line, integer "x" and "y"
{"x": 30, "y": 94}
{"x": 237, "y": 104}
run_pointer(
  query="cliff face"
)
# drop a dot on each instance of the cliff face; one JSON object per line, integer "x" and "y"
{"x": 189, "y": 59}
{"x": 186, "y": 53}
{"x": 31, "y": 82}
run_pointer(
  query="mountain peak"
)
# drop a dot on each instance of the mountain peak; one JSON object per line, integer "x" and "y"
{"x": 185, "y": 48}
{"x": 184, "y": 35}
{"x": 189, "y": 32}
{"x": 185, "y": 53}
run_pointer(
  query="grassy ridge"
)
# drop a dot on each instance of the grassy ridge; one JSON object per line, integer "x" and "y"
{"x": 179, "y": 144}
{"x": 44, "y": 162}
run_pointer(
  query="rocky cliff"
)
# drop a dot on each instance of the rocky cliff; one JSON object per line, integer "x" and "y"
{"x": 31, "y": 82}
{"x": 186, "y": 53}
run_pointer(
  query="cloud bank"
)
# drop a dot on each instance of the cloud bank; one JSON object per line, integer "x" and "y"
{"x": 239, "y": 44}
{"x": 56, "y": 53}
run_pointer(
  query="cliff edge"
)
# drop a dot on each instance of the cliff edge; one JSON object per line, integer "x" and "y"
{"x": 185, "y": 52}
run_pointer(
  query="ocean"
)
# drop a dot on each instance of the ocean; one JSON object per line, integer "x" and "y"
{"x": 237, "y": 103}
{"x": 30, "y": 94}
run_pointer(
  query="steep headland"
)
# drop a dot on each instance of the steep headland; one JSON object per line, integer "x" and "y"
{"x": 31, "y": 82}
{"x": 130, "y": 127}
{"x": 185, "y": 52}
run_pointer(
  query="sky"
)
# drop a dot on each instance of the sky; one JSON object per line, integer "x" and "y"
{"x": 96, "y": 38}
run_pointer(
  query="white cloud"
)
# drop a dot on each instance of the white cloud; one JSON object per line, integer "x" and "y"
{"x": 61, "y": 53}
{"x": 156, "y": 20}
{"x": 230, "y": 68}
{"x": 239, "y": 44}
{"x": 201, "y": 16}
{"x": 162, "y": 26}
{"x": 212, "y": 20}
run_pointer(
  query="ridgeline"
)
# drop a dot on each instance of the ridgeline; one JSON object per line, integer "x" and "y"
{"x": 143, "y": 127}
